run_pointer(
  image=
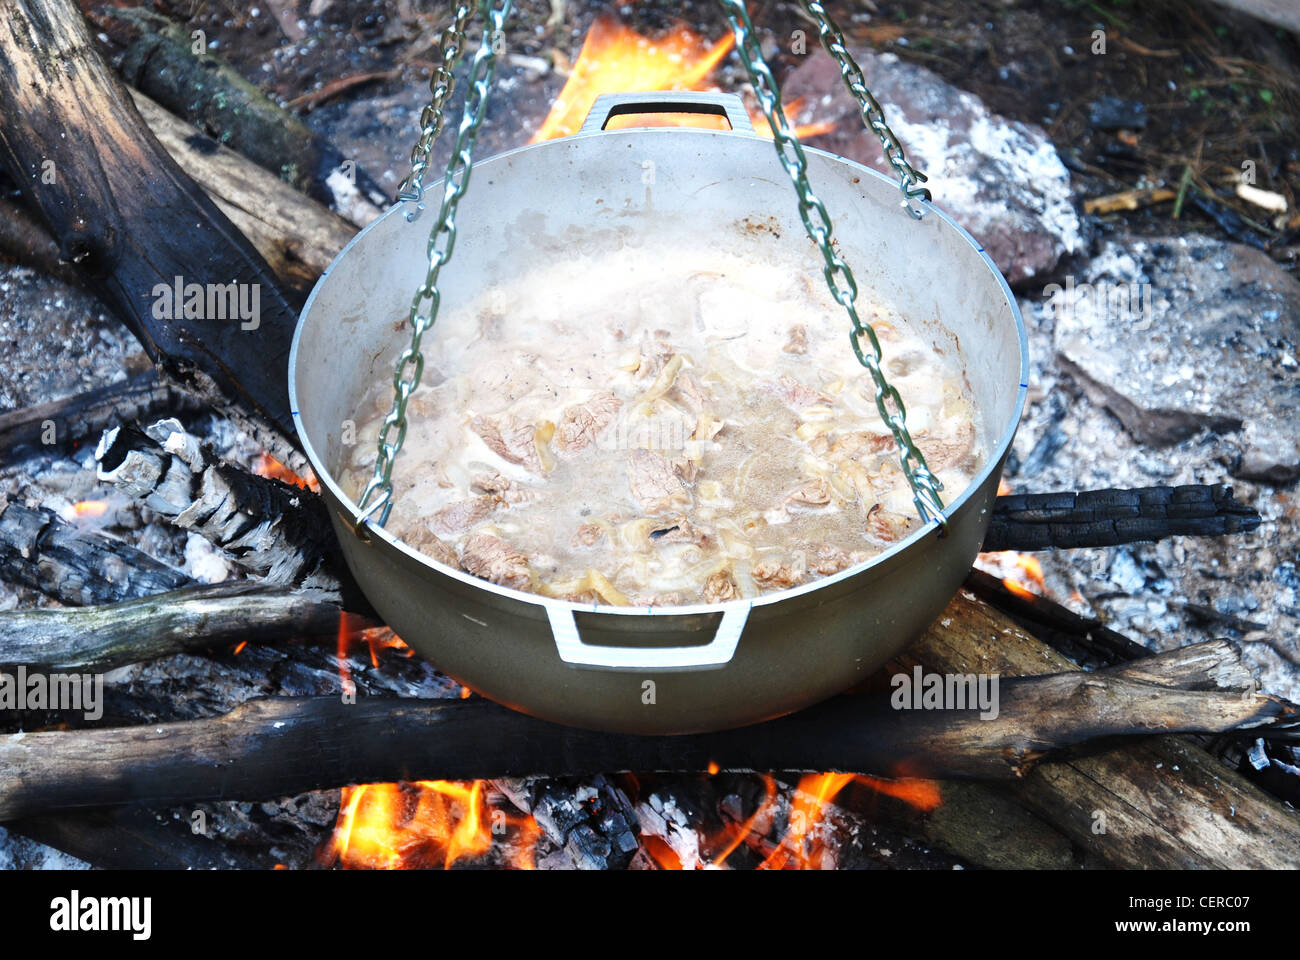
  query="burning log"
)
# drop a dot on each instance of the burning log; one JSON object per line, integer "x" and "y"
{"x": 594, "y": 827}
{"x": 81, "y": 567}
{"x": 188, "y": 620}
{"x": 1085, "y": 640}
{"x": 1105, "y": 518}
{"x": 275, "y": 530}
{"x": 63, "y": 424}
{"x": 117, "y": 203}
{"x": 286, "y": 746}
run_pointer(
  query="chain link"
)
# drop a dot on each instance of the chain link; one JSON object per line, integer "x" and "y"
{"x": 839, "y": 278}
{"x": 451, "y": 44}
{"x": 442, "y": 241}
{"x": 873, "y": 116}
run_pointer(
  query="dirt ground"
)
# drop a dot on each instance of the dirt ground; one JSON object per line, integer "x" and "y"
{"x": 1217, "y": 89}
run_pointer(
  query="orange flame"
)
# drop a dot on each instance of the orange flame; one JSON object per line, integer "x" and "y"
{"x": 801, "y": 848}
{"x": 1021, "y": 573}
{"x": 922, "y": 794}
{"x": 90, "y": 508}
{"x": 616, "y": 58}
{"x": 394, "y": 826}
{"x": 740, "y": 832}
{"x": 267, "y": 466}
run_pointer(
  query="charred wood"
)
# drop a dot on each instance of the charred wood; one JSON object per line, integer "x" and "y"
{"x": 80, "y": 567}
{"x": 286, "y": 746}
{"x": 296, "y": 235}
{"x": 275, "y": 530}
{"x": 1104, "y": 518}
{"x": 592, "y": 821}
{"x": 65, "y": 423}
{"x": 24, "y": 240}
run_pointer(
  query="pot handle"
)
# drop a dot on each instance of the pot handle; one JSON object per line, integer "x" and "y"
{"x": 609, "y": 105}
{"x": 716, "y": 653}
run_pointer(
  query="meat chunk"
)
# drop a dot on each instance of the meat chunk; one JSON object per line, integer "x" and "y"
{"x": 510, "y": 438}
{"x": 951, "y": 451}
{"x": 588, "y": 535}
{"x": 456, "y": 518}
{"x": 826, "y": 560}
{"x": 502, "y": 487}
{"x": 489, "y": 557}
{"x": 582, "y": 424}
{"x": 815, "y": 492}
{"x": 654, "y": 357}
{"x": 690, "y": 392}
{"x": 419, "y": 537}
{"x": 798, "y": 342}
{"x": 654, "y": 483}
{"x": 680, "y": 530}
{"x": 888, "y": 527}
{"x": 793, "y": 393}
{"x": 720, "y": 587}
{"x": 775, "y": 574}
{"x": 861, "y": 445}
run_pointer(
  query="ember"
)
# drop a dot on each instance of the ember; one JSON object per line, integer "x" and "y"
{"x": 428, "y": 823}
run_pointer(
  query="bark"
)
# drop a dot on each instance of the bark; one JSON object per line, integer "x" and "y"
{"x": 189, "y": 620}
{"x": 1165, "y": 803}
{"x": 296, "y": 235}
{"x": 159, "y": 60}
{"x": 120, "y": 206}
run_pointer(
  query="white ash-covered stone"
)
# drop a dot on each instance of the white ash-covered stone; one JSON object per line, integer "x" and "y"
{"x": 1000, "y": 179}
{"x": 1196, "y": 326}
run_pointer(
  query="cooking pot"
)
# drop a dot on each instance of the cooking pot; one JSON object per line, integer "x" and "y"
{"x": 677, "y": 669}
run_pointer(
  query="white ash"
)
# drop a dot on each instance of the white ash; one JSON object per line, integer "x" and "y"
{"x": 21, "y": 853}
{"x": 1143, "y": 590}
{"x": 204, "y": 562}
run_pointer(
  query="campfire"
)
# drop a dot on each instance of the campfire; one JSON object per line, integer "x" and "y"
{"x": 616, "y": 58}
{"x": 161, "y": 530}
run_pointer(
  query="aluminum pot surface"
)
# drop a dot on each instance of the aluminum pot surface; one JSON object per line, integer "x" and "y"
{"x": 660, "y": 670}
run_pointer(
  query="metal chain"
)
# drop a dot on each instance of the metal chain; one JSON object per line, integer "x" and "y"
{"x": 442, "y": 241}
{"x": 872, "y": 114}
{"x": 839, "y": 278}
{"x": 451, "y": 44}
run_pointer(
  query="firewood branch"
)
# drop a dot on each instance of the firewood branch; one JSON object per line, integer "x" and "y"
{"x": 282, "y": 747}
{"x": 188, "y": 620}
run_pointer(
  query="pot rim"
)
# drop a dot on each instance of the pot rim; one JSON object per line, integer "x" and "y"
{"x": 931, "y": 528}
